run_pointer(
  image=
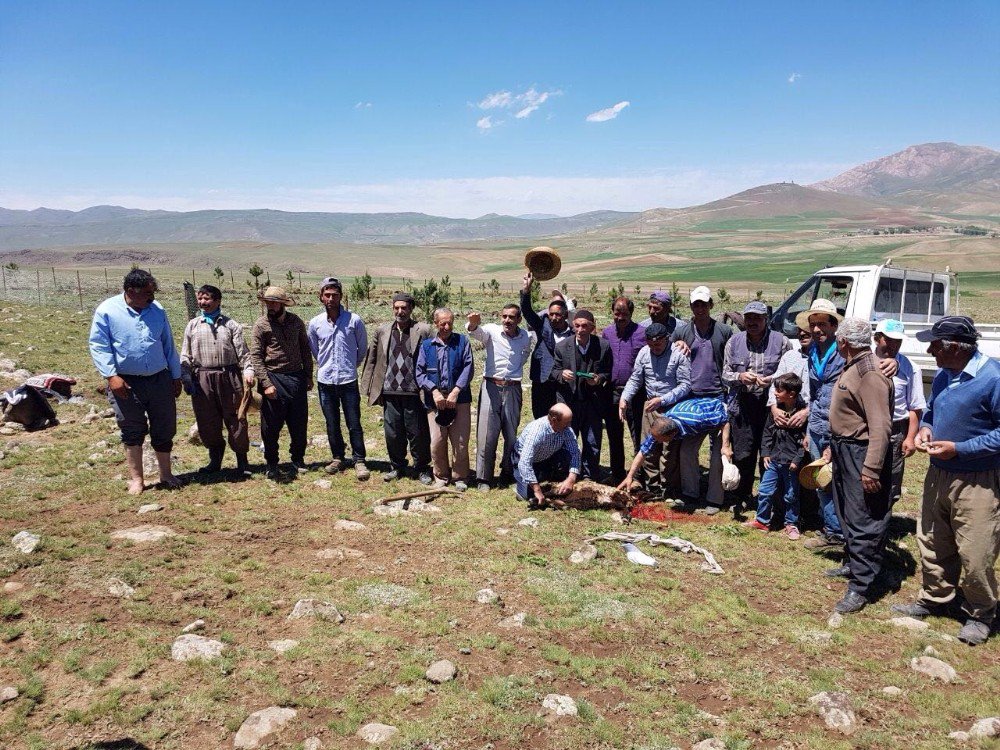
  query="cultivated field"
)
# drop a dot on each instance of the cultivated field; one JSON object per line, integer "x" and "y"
{"x": 654, "y": 658}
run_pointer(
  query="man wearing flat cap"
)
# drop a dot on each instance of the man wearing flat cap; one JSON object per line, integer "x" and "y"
{"x": 660, "y": 309}
{"x": 338, "y": 340}
{"x": 959, "y": 530}
{"x": 582, "y": 370}
{"x": 282, "y": 363}
{"x": 750, "y": 361}
{"x": 390, "y": 380}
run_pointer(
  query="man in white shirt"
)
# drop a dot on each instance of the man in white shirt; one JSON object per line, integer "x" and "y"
{"x": 909, "y": 404}
{"x": 508, "y": 348}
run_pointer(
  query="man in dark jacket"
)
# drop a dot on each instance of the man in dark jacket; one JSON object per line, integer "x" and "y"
{"x": 582, "y": 371}
{"x": 550, "y": 328}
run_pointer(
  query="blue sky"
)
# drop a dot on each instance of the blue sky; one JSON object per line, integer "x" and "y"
{"x": 385, "y": 106}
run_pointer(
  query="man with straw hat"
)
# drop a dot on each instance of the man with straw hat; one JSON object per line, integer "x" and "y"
{"x": 860, "y": 448}
{"x": 282, "y": 362}
{"x": 550, "y": 327}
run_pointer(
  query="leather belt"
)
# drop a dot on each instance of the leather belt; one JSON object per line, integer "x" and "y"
{"x": 503, "y": 383}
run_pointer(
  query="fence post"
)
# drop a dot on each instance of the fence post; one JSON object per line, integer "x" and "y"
{"x": 55, "y": 286}
{"x": 107, "y": 285}
{"x": 232, "y": 281}
{"x": 79, "y": 288}
{"x": 3, "y": 273}
{"x": 38, "y": 284}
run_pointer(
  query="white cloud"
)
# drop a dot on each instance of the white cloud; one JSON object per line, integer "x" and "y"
{"x": 485, "y": 123}
{"x": 603, "y": 115}
{"x": 794, "y": 77}
{"x": 497, "y": 99}
{"x": 363, "y": 105}
{"x": 458, "y": 196}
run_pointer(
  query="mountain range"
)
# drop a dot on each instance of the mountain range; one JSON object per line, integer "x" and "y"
{"x": 913, "y": 185}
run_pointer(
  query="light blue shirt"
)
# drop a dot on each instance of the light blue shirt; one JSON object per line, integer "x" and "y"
{"x": 124, "y": 341}
{"x": 339, "y": 347}
{"x": 537, "y": 443}
{"x": 908, "y": 387}
{"x": 667, "y": 376}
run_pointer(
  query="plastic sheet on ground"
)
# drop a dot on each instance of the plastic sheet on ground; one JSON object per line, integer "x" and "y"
{"x": 683, "y": 545}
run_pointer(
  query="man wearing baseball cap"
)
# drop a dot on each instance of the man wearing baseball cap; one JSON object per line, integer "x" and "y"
{"x": 908, "y": 386}
{"x": 959, "y": 530}
{"x": 338, "y": 340}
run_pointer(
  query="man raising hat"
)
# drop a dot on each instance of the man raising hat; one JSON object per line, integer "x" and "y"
{"x": 282, "y": 362}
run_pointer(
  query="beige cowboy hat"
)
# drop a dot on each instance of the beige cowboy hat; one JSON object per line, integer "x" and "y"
{"x": 276, "y": 294}
{"x": 543, "y": 262}
{"x": 816, "y": 475}
{"x": 819, "y": 307}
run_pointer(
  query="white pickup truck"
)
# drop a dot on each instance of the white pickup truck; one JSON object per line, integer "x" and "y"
{"x": 918, "y": 298}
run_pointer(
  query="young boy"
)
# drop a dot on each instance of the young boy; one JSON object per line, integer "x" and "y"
{"x": 782, "y": 452}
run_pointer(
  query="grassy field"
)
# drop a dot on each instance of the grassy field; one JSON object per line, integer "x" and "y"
{"x": 655, "y": 658}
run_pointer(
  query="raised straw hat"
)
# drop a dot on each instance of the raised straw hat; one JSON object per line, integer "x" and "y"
{"x": 817, "y": 475}
{"x": 543, "y": 262}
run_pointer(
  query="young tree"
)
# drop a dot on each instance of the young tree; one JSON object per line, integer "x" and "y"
{"x": 219, "y": 275}
{"x": 255, "y": 272}
{"x": 594, "y": 291}
{"x": 723, "y": 295}
{"x": 494, "y": 288}
{"x": 362, "y": 286}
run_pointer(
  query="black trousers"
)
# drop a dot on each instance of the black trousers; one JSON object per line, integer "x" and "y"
{"x": 289, "y": 408}
{"x": 405, "y": 421}
{"x": 587, "y": 424}
{"x": 543, "y": 397}
{"x": 864, "y": 517}
{"x": 899, "y": 430}
{"x": 747, "y": 434}
{"x": 616, "y": 431}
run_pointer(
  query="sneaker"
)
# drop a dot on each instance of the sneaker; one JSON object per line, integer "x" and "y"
{"x": 974, "y": 632}
{"x": 841, "y": 572}
{"x": 426, "y": 478}
{"x": 483, "y": 487}
{"x": 792, "y": 532}
{"x": 821, "y": 541}
{"x": 919, "y": 611}
{"x": 461, "y": 486}
{"x": 300, "y": 466}
{"x": 438, "y": 484}
{"x": 852, "y": 602}
{"x": 361, "y": 471}
{"x": 390, "y": 476}
{"x": 753, "y": 523}
{"x": 335, "y": 466}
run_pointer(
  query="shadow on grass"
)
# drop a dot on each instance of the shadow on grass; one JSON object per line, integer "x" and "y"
{"x": 123, "y": 744}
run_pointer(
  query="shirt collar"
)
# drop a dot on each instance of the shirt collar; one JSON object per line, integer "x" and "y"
{"x": 974, "y": 365}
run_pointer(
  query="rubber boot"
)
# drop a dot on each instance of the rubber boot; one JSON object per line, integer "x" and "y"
{"x": 242, "y": 464}
{"x": 214, "y": 460}
{"x": 167, "y": 478}
{"x": 133, "y": 457}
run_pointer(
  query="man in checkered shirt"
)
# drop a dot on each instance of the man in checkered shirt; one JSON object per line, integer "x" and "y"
{"x": 546, "y": 451}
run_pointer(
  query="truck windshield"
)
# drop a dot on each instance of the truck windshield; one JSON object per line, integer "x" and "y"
{"x": 837, "y": 289}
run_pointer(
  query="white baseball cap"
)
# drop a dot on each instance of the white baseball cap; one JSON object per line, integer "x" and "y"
{"x": 891, "y": 329}
{"x": 701, "y": 294}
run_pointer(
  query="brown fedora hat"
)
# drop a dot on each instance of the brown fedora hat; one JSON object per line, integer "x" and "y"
{"x": 543, "y": 262}
{"x": 275, "y": 294}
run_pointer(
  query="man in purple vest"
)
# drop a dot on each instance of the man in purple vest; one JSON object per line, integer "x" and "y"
{"x": 751, "y": 358}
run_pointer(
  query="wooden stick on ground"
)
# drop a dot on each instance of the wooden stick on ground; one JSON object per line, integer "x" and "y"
{"x": 407, "y": 496}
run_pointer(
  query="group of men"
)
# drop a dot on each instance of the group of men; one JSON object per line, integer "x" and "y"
{"x": 861, "y": 409}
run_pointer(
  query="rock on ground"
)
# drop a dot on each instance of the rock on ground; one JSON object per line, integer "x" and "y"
{"x": 815, "y": 636}
{"x": 323, "y": 484}
{"x": 25, "y": 541}
{"x": 149, "y": 508}
{"x": 12, "y": 586}
{"x": 118, "y": 587}
{"x": 312, "y": 743}
{"x": 345, "y": 525}
{"x": 192, "y": 627}
{"x": 487, "y": 596}
{"x": 144, "y": 533}
{"x": 194, "y": 437}
{"x": 909, "y": 623}
{"x": 583, "y": 554}
{"x": 283, "y": 646}
{"x": 559, "y": 705}
{"x": 835, "y": 621}
{"x": 934, "y": 668}
{"x": 190, "y": 647}
{"x": 712, "y": 743}
{"x": 376, "y": 734}
{"x": 387, "y": 594}
{"x": 315, "y": 608}
{"x": 892, "y": 691}
{"x": 260, "y": 725}
{"x": 339, "y": 553}
{"x": 514, "y": 621}
{"x": 836, "y": 711}
{"x": 441, "y": 671}
{"x": 983, "y": 729}
{"x": 8, "y": 694}
{"x": 529, "y": 522}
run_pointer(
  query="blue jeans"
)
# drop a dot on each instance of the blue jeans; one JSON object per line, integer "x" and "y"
{"x": 831, "y": 522}
{"x": 778, "y": 479}
{"x": 331, "y": 398}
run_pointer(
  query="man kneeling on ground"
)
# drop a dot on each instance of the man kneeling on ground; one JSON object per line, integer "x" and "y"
{"x": 546, "y": 451}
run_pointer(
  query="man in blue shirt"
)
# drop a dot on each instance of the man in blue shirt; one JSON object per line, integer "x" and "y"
{"x": 959, "y": 530}
{"x": 546, "y": 451}
{"x": 132, "y": 346}
{"x": 338, "y": 341}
